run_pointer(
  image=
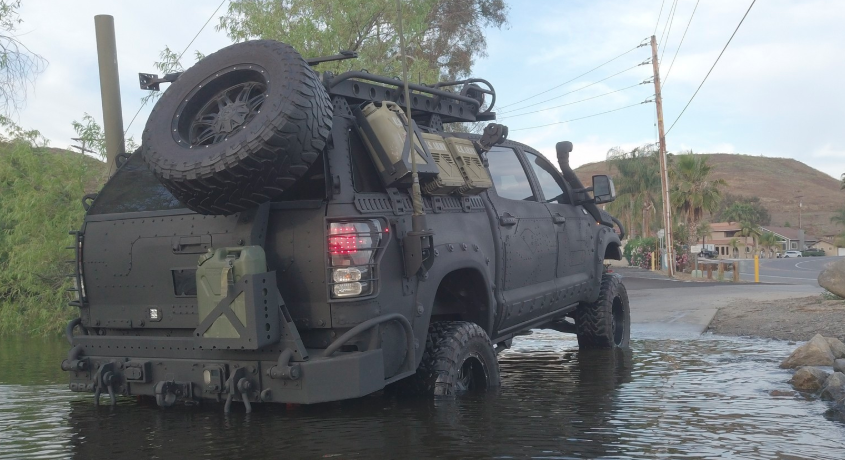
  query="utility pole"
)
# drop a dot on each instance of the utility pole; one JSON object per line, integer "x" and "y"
{"x": 664, "y": 175}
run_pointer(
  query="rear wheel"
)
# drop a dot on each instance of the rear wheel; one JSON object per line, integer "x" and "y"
{"x": 458, "y": 358}
{"x": 605, "y": 323}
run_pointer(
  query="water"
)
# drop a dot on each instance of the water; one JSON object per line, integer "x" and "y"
{"x": 707, "y": 397}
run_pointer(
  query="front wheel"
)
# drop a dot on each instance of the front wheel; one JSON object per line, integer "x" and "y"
{"x": 458, "y": 358}
{"x": 605, "y": 323}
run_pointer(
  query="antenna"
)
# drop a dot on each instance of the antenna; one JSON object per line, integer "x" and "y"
{"x": 416, "y": 196}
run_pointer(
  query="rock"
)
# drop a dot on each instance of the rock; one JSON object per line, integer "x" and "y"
{"x": 808, "y": 379}
{"x": 839, "y": 365}
{"x": 837, "y": 412}
{"x": 816, "y": 352}
{"x": 832, "y": 278}
{"x": 834, "y": 387}
{"x": 781, "y": 393}
{"x": 836, "y": 347}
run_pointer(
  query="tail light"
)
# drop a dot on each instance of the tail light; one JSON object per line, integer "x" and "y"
{"x": 352, "y": 250}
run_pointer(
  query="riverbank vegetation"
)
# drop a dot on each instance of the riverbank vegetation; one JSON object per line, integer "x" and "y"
{"x": 40, "y": 192}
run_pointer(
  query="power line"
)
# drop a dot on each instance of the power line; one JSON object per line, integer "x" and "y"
{"x": 658, "y": 17}
{"x": 581, "y": 118}
{"x": 573, "y": 79}
{"x": 177, "y": 60}
{"x": 669, "y": 33}
{"x": 663, "y": 82}
{"x": 575, "y": 102}
{"x": 577, "y": 89}
{"x": 714, "y": 65}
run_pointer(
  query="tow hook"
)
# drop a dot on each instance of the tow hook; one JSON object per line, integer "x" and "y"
{"x": 107, "y": 376}
{"x": 283, "y": 369}
{"x": 238, "y": 384}
{"x": 74, "y": 361}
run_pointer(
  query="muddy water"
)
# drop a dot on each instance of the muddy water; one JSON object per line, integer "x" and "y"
{"x": 702, "y": 398}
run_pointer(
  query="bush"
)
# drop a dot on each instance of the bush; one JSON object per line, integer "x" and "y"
{"x": 40, "y": 191}
{"x": 638, "y": 251}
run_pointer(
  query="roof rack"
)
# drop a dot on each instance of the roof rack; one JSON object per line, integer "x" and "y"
{"x": 426, "y": 101}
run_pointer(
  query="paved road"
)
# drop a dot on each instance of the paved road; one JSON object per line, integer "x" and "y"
{"x": 665, "y": 307}
{"x": 799, "y": 270}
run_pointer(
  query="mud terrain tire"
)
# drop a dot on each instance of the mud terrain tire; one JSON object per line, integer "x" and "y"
{"x": 238, "y": 128}
{"x": 605, "y": 323}
{"x": 458, "y": 357}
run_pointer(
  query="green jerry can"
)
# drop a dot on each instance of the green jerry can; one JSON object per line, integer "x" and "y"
{"x": 237, "y": 299}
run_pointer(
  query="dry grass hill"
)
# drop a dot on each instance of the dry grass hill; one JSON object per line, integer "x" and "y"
{"x": 777, "y": 181}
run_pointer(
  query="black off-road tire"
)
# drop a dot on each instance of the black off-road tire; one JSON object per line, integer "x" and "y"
{"x": 605, "y": 323}
{"x": 452, "y": 349}
{"x": 260, "y": 145}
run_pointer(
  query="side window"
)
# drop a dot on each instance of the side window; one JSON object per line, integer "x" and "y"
{"x": 509, "y": 177}
{"x": 550, "y": 181}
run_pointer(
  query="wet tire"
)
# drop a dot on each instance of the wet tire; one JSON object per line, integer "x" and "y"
{"x": 458, "y": 357}
{"x": 238, "y": 128}
{"x": 605, "y": 323}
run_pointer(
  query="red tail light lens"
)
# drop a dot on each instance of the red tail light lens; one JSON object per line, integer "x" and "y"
{"x": 352, "y": 248}
{"x": 342, "y": 239}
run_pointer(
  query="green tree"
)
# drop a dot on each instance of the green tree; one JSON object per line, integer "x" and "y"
{"x": 443, "y": 37}
{"x": 741, "y": 212}
{"x": 702, "y": 231}
{"x": 19, "y": 66}
{"x": 769, "y": 241}
{"x": 734, "y": 245}
{"x": 637, "y": 184}
{"x": 693, "y": 192}
{"x": 760, "y": 213}
{"x": 748, "y": 229}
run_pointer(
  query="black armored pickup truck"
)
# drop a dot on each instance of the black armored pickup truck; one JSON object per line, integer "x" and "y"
{"x": 266, "y": 243}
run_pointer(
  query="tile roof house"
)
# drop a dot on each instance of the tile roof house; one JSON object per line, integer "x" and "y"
{"x": 794, "y": 239}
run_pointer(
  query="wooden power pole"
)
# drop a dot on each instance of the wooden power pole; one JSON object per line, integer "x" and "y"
{"x": 664, "y": 175}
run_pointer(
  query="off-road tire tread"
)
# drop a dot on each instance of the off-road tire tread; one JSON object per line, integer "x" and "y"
{"x": 593, "y": 320}
{"x": 443, "y": 346}
{"x": 271, "y": 158}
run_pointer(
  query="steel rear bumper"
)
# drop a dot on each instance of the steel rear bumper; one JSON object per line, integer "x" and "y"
{"x": 342, "y": 376}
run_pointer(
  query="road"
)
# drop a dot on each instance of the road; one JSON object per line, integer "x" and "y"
{"x": 799, "y": 270}
{"x": 666, "y": 307}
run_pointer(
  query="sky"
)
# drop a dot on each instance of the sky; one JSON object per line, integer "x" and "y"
{"x": 776, "y": 92}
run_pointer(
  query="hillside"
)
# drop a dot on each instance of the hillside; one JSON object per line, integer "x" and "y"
{"x": 777, "y": 181}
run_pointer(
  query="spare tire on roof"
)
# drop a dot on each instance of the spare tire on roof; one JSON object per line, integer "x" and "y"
{"x": 238, "y": 128}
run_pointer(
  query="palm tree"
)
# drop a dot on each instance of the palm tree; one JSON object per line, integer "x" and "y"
{"x": 703, "y": 231}
{"x": 741, "y": 212}
{"x": 734, "y": 244}
{"x": 748, "y": 229}
{"x": 769, "y": 241}
{"x": 638, "y": 180}
{"x": 693, "y": 191}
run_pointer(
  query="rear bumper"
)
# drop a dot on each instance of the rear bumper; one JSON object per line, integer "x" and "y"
{"x": 342, "y": 376}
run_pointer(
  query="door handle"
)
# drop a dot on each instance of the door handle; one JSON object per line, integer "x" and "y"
{"x": 507, "y": 220}
{"x": 198, "y": 244}
{"x": 558, "y": 219}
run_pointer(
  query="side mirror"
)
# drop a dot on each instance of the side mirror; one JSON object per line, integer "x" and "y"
{"x": 603, "y": 189}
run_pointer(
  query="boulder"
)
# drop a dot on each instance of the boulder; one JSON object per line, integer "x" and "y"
{"x": 816, "y": 352}
{"x": 839, "y": 365}
{"x": 808, "y": 379}
{"x": 836, "y": 347}
{"x": 832, "y": 277}
{"x": 834, "y": 387}
{"x": 837, "y": 412}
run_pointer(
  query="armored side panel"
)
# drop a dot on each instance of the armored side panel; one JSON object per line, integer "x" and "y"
{"x": 384, "y": 128}
{"x": 475, "y": 174}
{"x": 449, "y": 179}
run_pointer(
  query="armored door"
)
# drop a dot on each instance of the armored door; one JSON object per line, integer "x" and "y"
{"x": 527, "y": 237}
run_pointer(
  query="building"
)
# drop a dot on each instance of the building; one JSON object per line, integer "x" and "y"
{"x": 792, "y": 239}
{"x": 722, "y": 234}
{"x": 828, "y": 245}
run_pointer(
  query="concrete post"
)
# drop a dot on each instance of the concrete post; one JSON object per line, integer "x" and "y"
{"x": 109, "y": 87}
